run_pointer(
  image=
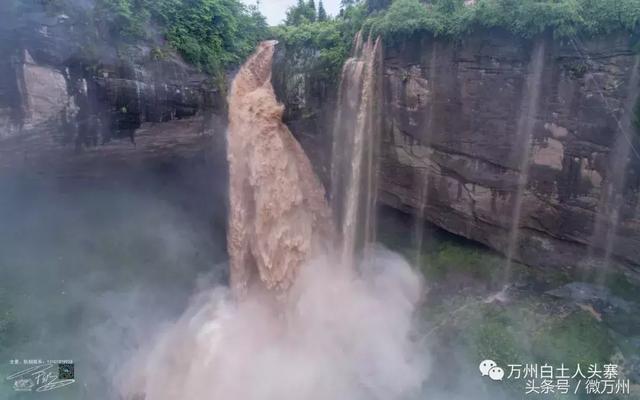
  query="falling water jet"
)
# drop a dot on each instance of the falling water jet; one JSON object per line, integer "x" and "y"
{"x": 339, "y": 333}
{"x": 524, "y": 135}
{"x": 278, "y": 213}
{"x": 612, "y": 190}
{"x": 355, "y": 148}
{"x": 421, "y": 179}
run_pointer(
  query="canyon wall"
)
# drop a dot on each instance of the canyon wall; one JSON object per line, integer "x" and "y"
{"x": 63, "y": 100}
{"x": 465, "y": 121}
{"x": 462, "y": 126}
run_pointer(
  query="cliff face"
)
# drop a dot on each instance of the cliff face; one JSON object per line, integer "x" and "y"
{"x": 309, "y": 99}
{"x": 469, "y": 123}
{"x": 61, "y": 99}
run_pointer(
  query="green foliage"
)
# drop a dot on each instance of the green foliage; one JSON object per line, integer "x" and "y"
{"x": 529, "y": 332}
{"x": 525, "y": 18}
{"x": 495, "y": 337}
{"x": 124, "y": 19}
{"x": 322, "y": 13}
{"x": 377, "y": 5}
{"x": 563, "y": 340}
{"x": 405, "y": 17}
{"x": 302, "y": 13}
{"x": 212, "y": 34}
{"x": 398, "y": 19}
{"x": 323, "y": 37}
{"x": 331, "y": 38}
{"x": 451, "y": 261}
{"x": 344, "y": 4}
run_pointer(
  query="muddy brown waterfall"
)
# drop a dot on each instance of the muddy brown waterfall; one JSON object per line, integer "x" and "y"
{"x": 278, "y": 213}
{"x": 354, "y": 172}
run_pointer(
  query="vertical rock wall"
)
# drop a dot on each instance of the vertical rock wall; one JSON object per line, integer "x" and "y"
{"x": 458, "y": 118}
{"x": 59, "y": 93}
{"x": 451, "y": 112}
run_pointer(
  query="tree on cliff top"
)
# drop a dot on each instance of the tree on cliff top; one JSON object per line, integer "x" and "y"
{"x": 301, "y": 13}
{"x": 377, "y": 5}
{"x": 322, "y": 13}
{"x": 212, "y": 34}
{"x": 524, "y": 18}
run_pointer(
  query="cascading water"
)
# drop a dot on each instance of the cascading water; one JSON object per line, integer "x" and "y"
{"x": 524, "y": 136}
{"x": 355, "y": 142}
{"x": 278, "y": 212}
{"x": 421, "y": 178}
{"x": 339, "y": 333}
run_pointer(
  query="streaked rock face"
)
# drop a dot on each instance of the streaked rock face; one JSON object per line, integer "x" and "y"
{"x": 465, "y": 118}
{"x": 59, "y": 98}
{"x": 450, "y": 119}
{"x": 46, "y": 95}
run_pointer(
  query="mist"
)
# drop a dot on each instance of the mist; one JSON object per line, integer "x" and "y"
{"x": 340, "y": 335}
{"x": 90, "y": 269}
{"x": 365, "y": 208}
{"x": 127, "y": 279}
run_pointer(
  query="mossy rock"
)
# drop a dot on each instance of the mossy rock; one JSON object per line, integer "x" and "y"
{"x": 578, "y": 338}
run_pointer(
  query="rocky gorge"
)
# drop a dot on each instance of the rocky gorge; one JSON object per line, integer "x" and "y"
{"x": 406, "y": 188}
{"x": 452, "y": 147}
{"x": 64, "y": 104}
{"x": 452, "y": 142}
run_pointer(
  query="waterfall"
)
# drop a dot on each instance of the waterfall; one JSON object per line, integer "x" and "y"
{"x": 339, "y": 333}
{"x": 421, "y": 179}
{"x": 524, "y": 136}
{"x": 355, "y": 142}
{"x": 278, "y": 213}
{"x": 612, "y": 190}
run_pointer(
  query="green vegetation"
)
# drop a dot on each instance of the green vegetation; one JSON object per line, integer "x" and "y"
{"x": 302, "y": 13}
{"x": 396, "y": 20}
{"x": 463, "y": 317}
{"x": 451, "y": 259}
{"x": 525, "y": 18}
{"x": 306, "y": 29}
{"x": 217, "y": 34}
{"x": 211, "y": 34}
{"x": 532, "y": 332}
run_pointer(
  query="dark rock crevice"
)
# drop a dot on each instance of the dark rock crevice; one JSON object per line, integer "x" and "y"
{"x": 61, "y": 95}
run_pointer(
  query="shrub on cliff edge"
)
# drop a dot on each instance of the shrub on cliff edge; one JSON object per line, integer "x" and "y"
{"x": 525, "y": 18}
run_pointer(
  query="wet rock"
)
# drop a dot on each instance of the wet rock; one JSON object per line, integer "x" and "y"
{"x": 450, "y": 150}
{"x": 45, "y": 92}
{"x": 620, "y": 315}
{"x": 581, "y": 292}
{"x": 63, "y": 86}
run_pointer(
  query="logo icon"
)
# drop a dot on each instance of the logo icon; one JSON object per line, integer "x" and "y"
{"x": 486, "y": 366}
{"x": 490, "y": 368}
{"x": 496, "y": 373}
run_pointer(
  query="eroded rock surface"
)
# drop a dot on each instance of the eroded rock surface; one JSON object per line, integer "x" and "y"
{"x": 450, "y": 150}
{"x": 60, "y": 92}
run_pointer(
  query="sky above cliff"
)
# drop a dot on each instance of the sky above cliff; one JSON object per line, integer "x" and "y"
{"x": 275, "y": 10}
